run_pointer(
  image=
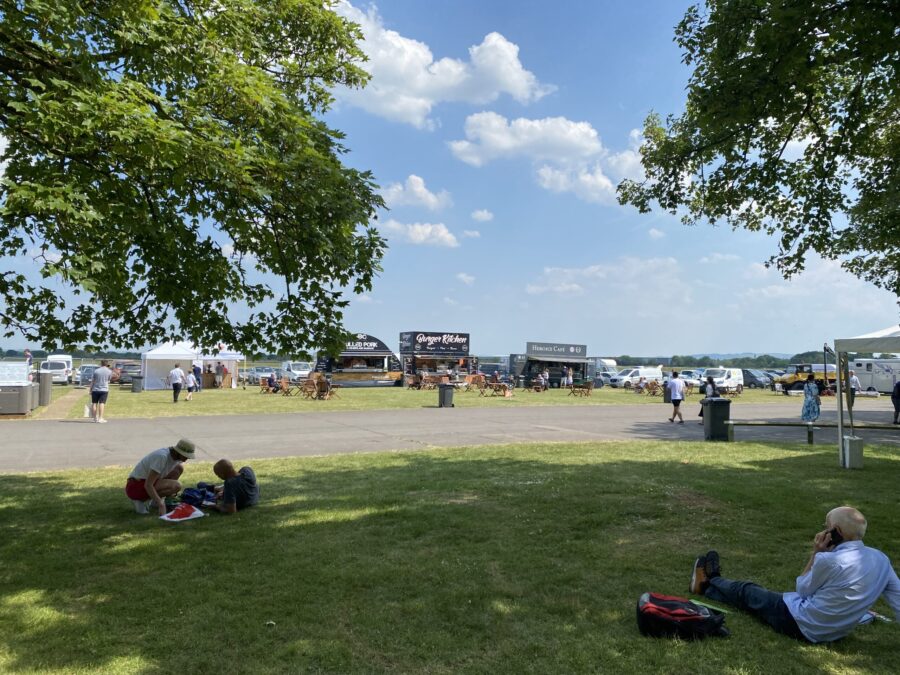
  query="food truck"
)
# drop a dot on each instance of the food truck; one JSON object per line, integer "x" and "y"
{"x": 436, "y": 353}
{"x": 365, "y": 362}
{"x": 556, "y": 357}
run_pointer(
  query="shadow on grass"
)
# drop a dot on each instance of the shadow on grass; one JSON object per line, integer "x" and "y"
{"x": 471, "y": 560}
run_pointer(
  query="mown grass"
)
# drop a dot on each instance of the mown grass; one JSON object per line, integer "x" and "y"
{"x": 511, "y": 559}
{"x": 123, "y": 403}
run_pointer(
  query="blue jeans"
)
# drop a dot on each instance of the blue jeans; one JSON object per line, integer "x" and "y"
{"x": 762, "y": 603}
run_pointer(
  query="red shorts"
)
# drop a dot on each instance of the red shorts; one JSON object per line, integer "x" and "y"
{"x": 136, "y": 489}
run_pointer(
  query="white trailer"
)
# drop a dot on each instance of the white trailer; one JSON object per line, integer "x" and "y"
{"x": 877, "y": 374}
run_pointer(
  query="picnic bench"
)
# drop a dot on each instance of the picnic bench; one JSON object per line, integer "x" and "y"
{"x": 495, "y": 389}
{"x": 583, "y": 389}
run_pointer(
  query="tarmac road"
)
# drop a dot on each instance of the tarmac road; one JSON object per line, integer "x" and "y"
{"x": 36, "y": 445}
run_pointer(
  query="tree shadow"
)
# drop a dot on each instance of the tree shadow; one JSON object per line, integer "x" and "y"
{"x": 456, "y": 560}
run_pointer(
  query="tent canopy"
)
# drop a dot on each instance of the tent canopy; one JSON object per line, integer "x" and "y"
{"x": 172, "y": 351}
{"x": 886, "y": 340}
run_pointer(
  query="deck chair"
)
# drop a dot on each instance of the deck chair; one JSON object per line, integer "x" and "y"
{"x": 287, "y": 388}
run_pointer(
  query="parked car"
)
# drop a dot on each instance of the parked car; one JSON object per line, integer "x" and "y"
{"x": 59, "y": 371}
{"x": 257, "y": 373}
{"x": 756, "y": 379}
{"x": 127, "y": 372}
{"x": 630, "y": 376}
{"x": 296, "y": 370}
{"x": 65, "y": 358}
{"x": 85, "y": 372}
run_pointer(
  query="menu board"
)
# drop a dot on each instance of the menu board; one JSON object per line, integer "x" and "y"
{"x": 14, "y": 372}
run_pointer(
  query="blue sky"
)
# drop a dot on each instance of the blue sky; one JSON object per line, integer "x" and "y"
{"x": 498, "y": 132}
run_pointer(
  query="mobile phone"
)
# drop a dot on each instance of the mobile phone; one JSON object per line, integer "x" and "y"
{"x": 836, "y": 537}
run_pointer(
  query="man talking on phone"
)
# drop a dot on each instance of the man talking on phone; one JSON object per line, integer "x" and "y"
{"x": 841, "y": 581}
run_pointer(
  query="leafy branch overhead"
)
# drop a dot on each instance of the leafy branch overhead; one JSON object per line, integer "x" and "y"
{"x": 168, "y": 161}
{"x": 791, "y": 127}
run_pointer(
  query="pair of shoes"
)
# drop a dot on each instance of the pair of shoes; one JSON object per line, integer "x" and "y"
{"x": 101, "y": 421}
{"x": 681, "y": 422}
{"x": 140, "y": 506}
{"x": 706, "y": 567}
{"x": 671, "y": 419}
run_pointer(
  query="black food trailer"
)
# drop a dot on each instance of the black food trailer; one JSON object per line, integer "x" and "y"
{"x": 555, "y": 357}
{"x": 365, "y": 362}
{"x": 436, "y": 353}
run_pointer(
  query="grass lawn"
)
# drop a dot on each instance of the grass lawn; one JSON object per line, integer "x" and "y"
{"x": 123, "y": 403}
{"x": 511, "y": 559}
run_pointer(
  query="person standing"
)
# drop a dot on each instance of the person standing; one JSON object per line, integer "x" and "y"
{"x": 855, "y": 386}
{"x": 198, "y": 375}
{"x": 176, "y": 379}
{"x": 220, "y": 374}
{"x": 546, "y": 376}
{"x": 709, "y": 391}
{"x": 811, "y": 400}
{"x": 895, "y": 399}
{"x": 100, "y": 380}
{"x": 676, "y": 390}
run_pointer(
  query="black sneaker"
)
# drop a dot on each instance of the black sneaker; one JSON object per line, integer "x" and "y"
{"x": 712, "y": 565}
{"x": 699, "y": 580}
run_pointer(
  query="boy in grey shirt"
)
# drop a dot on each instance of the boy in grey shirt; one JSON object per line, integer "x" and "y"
{"x": 100, "y": 380}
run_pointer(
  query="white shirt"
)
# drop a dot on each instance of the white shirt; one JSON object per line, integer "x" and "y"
{"x": 159, "y": 461}
{"x": 676, "y": 386}
{"x": 855, "y": 383}
{"x": 839, "y": 588}
{"x": 191, "y": 380}
{"x": 176, "y": 376}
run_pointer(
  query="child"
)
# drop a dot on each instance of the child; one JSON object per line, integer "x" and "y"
{"x": 191, "y": 380}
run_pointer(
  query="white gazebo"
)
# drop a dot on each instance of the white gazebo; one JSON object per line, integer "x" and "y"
{"x": 227, "y": 357}
{"x": 886, "y": 340}
{"x": 156, "y": 364}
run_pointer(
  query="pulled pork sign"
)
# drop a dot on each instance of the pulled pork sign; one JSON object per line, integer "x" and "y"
{"x": 445, "y": 344}
{"x": 364, "y": 344}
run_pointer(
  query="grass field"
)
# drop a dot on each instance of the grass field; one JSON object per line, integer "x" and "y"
{"x": 123, "y": 403}
{"x": 512, "y": 559}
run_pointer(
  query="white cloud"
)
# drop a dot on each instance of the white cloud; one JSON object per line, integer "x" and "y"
{"x": 415, "y": 193}
{"x": 407, "y": 81}
{"x": 490, "y": 136}
{"x": 482, "y": 215}
{"x": 467, "y": 279}
{"x": 587, "y": 183}
{"x": 656, "y": 234}
{"x": 471, "y": 234}
{"x": 49, "y": 255}
{"x": 451, "y": 302}
{"x": 719, "y": 257}
{"x": 364, "y": 299}
{"x": 423, "y": 234}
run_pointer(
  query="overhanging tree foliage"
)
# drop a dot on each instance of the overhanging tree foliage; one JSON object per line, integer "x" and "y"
{"x": 792, "y": 127}
{"x": 166, "y": 162}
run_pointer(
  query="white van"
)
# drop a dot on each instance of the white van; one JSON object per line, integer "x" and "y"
{"x": 65, "y": 358}
{"x": 296, "y": 370}
{"x": 631, "y": 376}
{"x": 726, "y": 379}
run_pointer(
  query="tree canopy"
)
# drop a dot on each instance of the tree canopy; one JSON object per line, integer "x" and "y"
{"x": 167, "y": 163}
{"x": 791, "y": 127}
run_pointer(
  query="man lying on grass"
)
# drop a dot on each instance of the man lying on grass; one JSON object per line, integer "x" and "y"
{"x": 240, "y": 489}
{"x": 156, "y": 476}
{"x": 842, "y": 580}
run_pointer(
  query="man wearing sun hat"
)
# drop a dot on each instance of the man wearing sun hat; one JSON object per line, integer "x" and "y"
{"x": 155, "y": 477}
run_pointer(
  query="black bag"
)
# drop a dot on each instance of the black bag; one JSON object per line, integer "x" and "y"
{"x": 671, "y": 616}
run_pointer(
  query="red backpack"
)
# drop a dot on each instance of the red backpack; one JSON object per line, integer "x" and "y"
{"x": 671, "y": 616}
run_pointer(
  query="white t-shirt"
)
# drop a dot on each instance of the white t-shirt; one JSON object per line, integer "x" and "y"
{"x": 191, "y": 380}
{"x": 676, "y": 386}
{"x": 159, "y": 460}
{"x": 176, "y": 376}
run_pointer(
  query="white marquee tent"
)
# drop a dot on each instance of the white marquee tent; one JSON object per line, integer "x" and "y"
{"x": 886, "y": 340}
{"x": 156, "y": 364}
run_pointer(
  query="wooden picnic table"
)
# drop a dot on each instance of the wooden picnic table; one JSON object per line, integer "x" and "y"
{"x": 494, "y": 389}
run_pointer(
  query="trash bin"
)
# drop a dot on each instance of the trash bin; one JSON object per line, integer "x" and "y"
{"x": 137, "y": 384}
{"x": 46, "y": 388}
{"x": 716, "y": 411}
{"x": 667, "y": 393}
{"x": 445, "y": 395}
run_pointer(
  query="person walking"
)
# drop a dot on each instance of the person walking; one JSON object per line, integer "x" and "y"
{"x": 811, "y": 400}
{"x": 100, "y": 380}
{"x": 176, "y": 379}
{"x": 676, "y": 390}
{"x": 198, "y": 375}
{"x": 191, "y": 382}
{"x": 855, "y": 387}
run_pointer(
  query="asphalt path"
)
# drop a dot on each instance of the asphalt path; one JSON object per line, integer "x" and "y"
{"x": 41, "y": 445}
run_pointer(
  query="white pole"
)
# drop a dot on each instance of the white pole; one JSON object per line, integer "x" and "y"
{"x": 840, "y": 402}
